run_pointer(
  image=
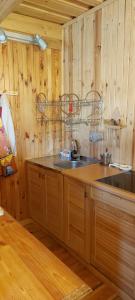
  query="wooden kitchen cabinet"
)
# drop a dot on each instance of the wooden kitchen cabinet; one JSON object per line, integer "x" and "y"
{"x": 35, "y": 181}
{"x": 113, "y": 239}
{"x": 77, "y": 217}
{"x": 45, "y": 197}
{"x": 53, "y": 211}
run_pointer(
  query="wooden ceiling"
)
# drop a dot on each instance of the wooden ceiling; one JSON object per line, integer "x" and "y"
{"x": 57, "y": 11}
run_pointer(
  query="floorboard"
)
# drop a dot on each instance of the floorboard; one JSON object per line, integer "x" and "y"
{"x": 101, "y": 290}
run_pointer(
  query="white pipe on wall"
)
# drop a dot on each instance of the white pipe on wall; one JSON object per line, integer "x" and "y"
{"x": 22, "y": 38}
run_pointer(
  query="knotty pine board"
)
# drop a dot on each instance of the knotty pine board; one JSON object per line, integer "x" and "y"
{"x": 101, "y": 56}
{"x": 28, "y": 70}
{"x": 23, "y": 23}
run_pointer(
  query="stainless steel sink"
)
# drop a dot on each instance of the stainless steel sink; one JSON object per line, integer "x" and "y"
{"x": 69, "y": 164}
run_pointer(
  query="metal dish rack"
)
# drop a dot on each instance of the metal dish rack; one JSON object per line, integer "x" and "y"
{"x": 70, "y": 109}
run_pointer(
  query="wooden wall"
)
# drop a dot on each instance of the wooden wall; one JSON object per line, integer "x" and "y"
{"x": 28, "y": 70}
{"x": 20, "y": 23}
{"x": 99, "y": 53}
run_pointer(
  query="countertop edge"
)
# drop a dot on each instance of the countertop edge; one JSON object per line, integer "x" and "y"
{"x": 28, "y": 161}
{"x": 92, "y": 182}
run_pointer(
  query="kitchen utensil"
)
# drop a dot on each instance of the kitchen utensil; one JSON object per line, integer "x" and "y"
{"x": 106, "y": 158}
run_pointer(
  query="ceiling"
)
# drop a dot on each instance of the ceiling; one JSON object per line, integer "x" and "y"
{"x": 57, "y": 11}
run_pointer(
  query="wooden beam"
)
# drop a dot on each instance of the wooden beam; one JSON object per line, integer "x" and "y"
{"x": 91, "y": 2}
{"x": 7, "y": 6}
{"x": 60, "y": 6}
{"x": 50, "y": 31}
{"x": 41, "y": 13}
{"x": 103, "y": 4}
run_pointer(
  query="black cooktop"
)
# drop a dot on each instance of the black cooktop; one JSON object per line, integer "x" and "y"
{"x": 125, "y": 181}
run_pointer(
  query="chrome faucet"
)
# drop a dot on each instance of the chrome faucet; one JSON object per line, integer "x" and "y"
{"x": 75, "y": 149}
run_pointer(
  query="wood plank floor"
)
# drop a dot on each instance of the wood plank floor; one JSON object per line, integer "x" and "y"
{"x": 101, "y": 290}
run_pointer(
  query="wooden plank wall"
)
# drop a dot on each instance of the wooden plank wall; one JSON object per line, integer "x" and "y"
{"x": 20, "y": 23}
{"x": 99, "y": 53}
{"x": 28, "y": 70}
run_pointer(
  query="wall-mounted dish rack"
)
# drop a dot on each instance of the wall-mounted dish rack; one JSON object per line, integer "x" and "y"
{"x": 70, "y": 109}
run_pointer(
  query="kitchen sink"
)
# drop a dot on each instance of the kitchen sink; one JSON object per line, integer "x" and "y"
{"x": 82, "y": 162}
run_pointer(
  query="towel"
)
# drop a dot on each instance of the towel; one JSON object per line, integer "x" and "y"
{"x": 8, "y": 122}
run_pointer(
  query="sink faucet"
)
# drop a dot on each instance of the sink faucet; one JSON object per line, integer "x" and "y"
{"x": 75, "y": 149}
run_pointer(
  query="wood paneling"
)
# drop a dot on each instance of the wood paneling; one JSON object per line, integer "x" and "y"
{"x": 7, "y": 6}
{"x": 59, "y": 11}
{"x": 43, "y": 14}
{"x": 28, "y": 70}
{"x": 51, "y": 32}
{"x": 99, "y": 53}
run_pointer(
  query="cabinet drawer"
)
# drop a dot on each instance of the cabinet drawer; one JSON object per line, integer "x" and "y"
{"x": 113, "y": 247}
{"x": 121, "y": 203}
{"x": 102, "y": 195}
{"x": 34, "y": 173}
{"x": 76, "y": 193}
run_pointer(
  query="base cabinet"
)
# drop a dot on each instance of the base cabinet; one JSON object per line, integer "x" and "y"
{"x": 77, "y": 218}
{"x": 97, "y": 225}
{"x": 113, "y": 241}
{"x": 35, "y": 180}
{"x": 45, "y": 197}
{"x": 53, "y": 210}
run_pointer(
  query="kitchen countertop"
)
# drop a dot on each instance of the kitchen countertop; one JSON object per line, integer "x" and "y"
{"x": 28, "y": 270}
{"x": 91, "y": 173}
{"x": 87, "y": 174}
{"x": 46, "y": 162}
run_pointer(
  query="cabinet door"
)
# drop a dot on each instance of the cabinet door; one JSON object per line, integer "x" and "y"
{"x": 77, "y": 217}
{"x": 54, "y": 202}
{"x": 114, "y": 245}
{"x": 36, "y": 192}
{"x": 0, "y": 193}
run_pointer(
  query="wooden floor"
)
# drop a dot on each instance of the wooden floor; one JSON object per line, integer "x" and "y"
{"x": 101, "y": 290}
